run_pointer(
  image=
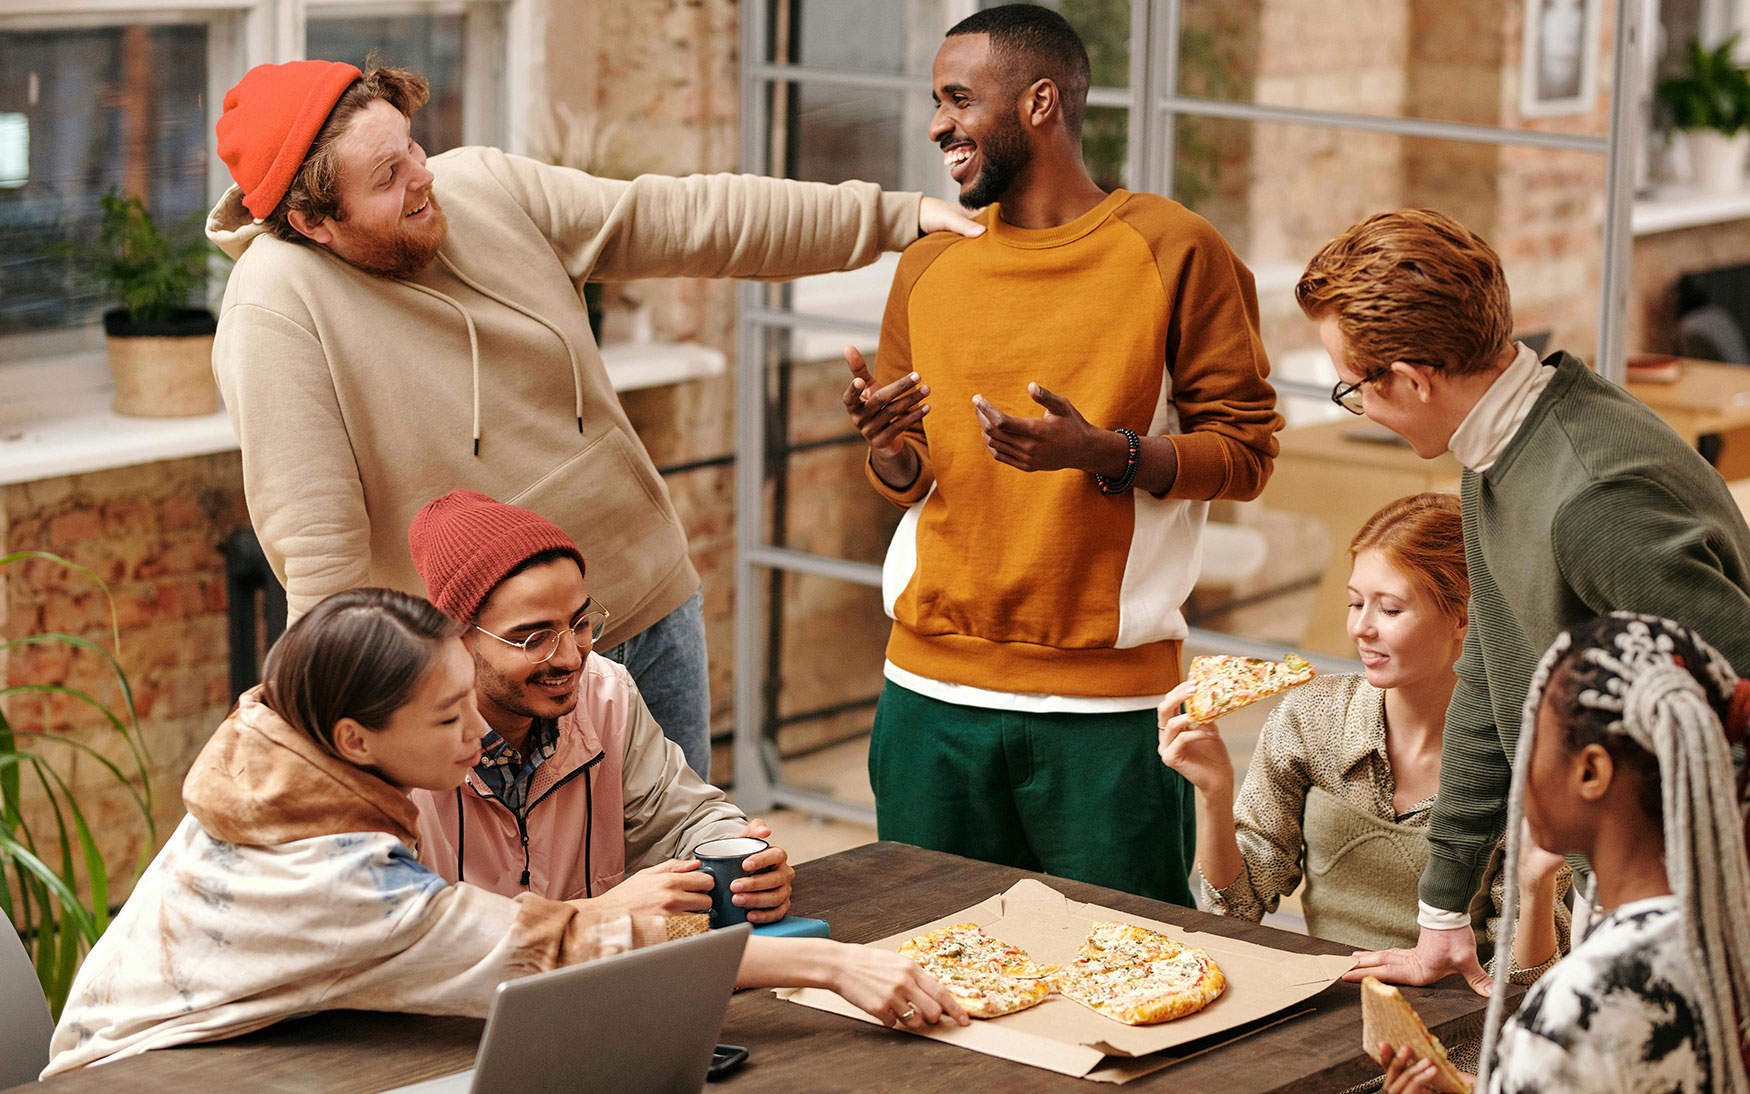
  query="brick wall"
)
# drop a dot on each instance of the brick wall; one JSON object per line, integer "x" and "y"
{"x": 152, "y": 533}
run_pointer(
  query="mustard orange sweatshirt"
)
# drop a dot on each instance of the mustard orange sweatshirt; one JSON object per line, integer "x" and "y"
{"x": 1140, "y": 315}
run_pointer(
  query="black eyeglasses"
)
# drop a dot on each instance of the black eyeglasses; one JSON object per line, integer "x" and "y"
{"x": 544, "y": 643}
{"x": 1348, "y": 396}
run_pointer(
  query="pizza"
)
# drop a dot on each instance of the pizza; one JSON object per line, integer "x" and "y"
{"x": 1386, "y": 1016}
{"x": 986, "y": 975}
{"x": 1138, "y": 976}
{"x": 1226, "y": 683}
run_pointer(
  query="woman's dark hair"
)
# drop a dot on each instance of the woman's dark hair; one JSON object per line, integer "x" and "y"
{"x": 359, "y": 655}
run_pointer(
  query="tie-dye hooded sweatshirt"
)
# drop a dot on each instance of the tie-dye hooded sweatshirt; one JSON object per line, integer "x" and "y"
{"x": 293, "y": 886}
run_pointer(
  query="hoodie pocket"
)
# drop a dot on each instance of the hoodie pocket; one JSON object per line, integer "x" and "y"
{"x": 610, "y": 500}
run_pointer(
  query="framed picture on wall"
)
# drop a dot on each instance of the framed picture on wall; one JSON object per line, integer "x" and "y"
{"x": 1559, "y": 73}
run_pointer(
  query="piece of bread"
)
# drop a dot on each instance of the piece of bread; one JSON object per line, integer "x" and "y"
{"x": 1386, "y": 1016}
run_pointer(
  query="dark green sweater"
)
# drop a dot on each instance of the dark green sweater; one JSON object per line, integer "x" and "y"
{"x": 1595, "y": 506}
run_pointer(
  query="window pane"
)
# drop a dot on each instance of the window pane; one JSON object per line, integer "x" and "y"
{"x": 895, "y": 36}
{"x": 1278, "y": 192}
{"x": 88, "y": 111}
{"x": 1105, "y": 29}
{"x": 1106, "y": 145}
{"x": 1472, "y": 61}
{"x": 431, "y": 45}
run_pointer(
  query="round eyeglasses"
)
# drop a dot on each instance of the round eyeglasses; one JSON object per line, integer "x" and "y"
{"x": 544, "y": 643}
{"x": 1349, "y": 396}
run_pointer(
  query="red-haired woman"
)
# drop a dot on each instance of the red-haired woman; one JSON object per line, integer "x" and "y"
{"x": 1342, "y": 785}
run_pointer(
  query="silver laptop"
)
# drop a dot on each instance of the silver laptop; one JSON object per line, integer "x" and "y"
{"x": 640, "y": 1022}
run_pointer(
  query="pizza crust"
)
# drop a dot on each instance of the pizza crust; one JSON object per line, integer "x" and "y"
{"x": 1386, "y": 1016}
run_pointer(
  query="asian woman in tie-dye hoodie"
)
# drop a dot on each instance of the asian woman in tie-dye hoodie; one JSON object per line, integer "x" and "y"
{"x": 293, "y": 883}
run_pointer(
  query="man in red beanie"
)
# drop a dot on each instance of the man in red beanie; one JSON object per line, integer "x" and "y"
{"x": 577, "y": 786}
{"x": 377, "y": 344}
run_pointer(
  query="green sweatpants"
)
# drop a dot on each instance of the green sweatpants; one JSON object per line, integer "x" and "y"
{"x": 1082, "y": 796}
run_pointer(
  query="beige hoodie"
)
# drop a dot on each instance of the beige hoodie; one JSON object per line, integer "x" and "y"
{"x": 292, "y": 886}
{"x": 358, "y": 398}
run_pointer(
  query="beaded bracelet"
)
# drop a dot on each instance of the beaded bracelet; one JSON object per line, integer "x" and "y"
{"x": 1125, "y": 481}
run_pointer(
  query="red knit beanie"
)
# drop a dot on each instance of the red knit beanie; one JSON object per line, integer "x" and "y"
{"x": 270, "y": 120}
{"x": 464, "y": 544}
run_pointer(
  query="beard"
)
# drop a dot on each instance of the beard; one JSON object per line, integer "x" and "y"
{"x": 402, "y": 252}
{"x": 1005, "y": 154}
{"x": 514, "y": 694}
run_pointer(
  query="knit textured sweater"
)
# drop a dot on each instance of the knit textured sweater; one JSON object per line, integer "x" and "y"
{"x": 1141, "y": 316}
{"x": 358, "y": 398}
{"x": 1595, "y": 506}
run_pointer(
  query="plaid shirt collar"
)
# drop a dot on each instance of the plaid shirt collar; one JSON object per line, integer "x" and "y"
{"x": 506, "y": 771}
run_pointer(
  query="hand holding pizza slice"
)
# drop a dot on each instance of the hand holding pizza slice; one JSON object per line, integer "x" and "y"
{"x": 1388, "y": 1019}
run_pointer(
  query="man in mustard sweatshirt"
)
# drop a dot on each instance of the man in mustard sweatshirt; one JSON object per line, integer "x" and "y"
{"x": 378, "y": 347}
{"x": 1036, "y": 579}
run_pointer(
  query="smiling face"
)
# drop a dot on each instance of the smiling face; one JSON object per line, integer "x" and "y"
{"x": 511, "y": 690}
{"x": 431, "y": 741}
{"x": 391, "y": 223}
{"x": 977, "y": 121}
{"x": 1400, "y": 633}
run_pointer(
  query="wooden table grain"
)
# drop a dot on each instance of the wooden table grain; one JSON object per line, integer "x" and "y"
{"x": 866, "y": 893}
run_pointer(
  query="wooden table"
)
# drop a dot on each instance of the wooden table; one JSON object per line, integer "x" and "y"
{"x": 1339, "y": 474}
{"x": 1708, "y": 397}
{"x": 867, "y": 893}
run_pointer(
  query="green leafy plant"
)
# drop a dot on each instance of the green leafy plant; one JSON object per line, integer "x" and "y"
{"x": 1714, "y": 94}
{"x": 151, "y": 273}
{"x": 40, "y": 890}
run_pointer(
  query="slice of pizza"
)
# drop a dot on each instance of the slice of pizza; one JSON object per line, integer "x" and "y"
{"x": 987, "y": 994}
{"x": 1386, "y": 1016}
{"x": 971, "y": 946}
{"x": 1226, "y": 683}
{"x": 989, "y": 977}
{"x": 1138, "y": 976}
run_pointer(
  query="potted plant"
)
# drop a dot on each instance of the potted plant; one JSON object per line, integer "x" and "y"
{"x": 160, "y": 348}
{"x": 54, "y": 879}
{"x": 1710, "y": 105}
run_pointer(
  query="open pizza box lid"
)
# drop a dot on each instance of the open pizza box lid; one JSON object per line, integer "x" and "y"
{"x": 1064, "y": 1036}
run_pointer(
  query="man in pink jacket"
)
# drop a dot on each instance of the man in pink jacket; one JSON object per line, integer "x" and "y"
{"x": 578, "y": 787}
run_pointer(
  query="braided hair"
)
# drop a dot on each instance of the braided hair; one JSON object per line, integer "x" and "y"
{"x": 1657, "y": 698}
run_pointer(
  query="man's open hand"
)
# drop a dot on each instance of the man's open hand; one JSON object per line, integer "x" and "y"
{"x": 1437, "y": 954}
{"x": 1060, "y": 439}
{"x": 936, "y": 215}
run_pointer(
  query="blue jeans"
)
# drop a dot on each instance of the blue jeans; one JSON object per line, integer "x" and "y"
{"x": 667, "y": 662}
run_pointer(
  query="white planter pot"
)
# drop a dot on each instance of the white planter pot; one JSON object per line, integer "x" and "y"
{"x": 1716, "y": 160}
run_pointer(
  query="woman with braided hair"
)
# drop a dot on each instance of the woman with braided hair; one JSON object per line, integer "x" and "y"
{"x": 1624, "y": 758}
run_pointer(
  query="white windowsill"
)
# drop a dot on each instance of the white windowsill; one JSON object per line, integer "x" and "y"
{"x": 1677, "y": 207}
{"x": 55, "y": 418}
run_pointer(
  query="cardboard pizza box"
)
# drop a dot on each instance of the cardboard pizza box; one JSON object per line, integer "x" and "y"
{"x": 1064, "y": 1036}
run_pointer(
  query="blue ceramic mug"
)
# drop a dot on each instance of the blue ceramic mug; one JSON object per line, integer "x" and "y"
{"x": 722, "y": 859}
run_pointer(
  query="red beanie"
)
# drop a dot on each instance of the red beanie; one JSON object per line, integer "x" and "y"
{"x": 464, "y": 544}
{"x": 270, "y": 120}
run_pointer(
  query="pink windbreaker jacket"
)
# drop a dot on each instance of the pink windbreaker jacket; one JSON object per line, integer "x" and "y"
{"x": 615, "y": 796}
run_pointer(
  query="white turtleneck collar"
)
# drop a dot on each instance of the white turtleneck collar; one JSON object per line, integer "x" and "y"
{"x": 1480, "y": 439}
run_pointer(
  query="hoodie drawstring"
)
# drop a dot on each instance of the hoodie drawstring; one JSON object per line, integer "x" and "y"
{"x": 473, "y": 347}
{"x": 461, "y": 835}
{"x": 570, "y": 350}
